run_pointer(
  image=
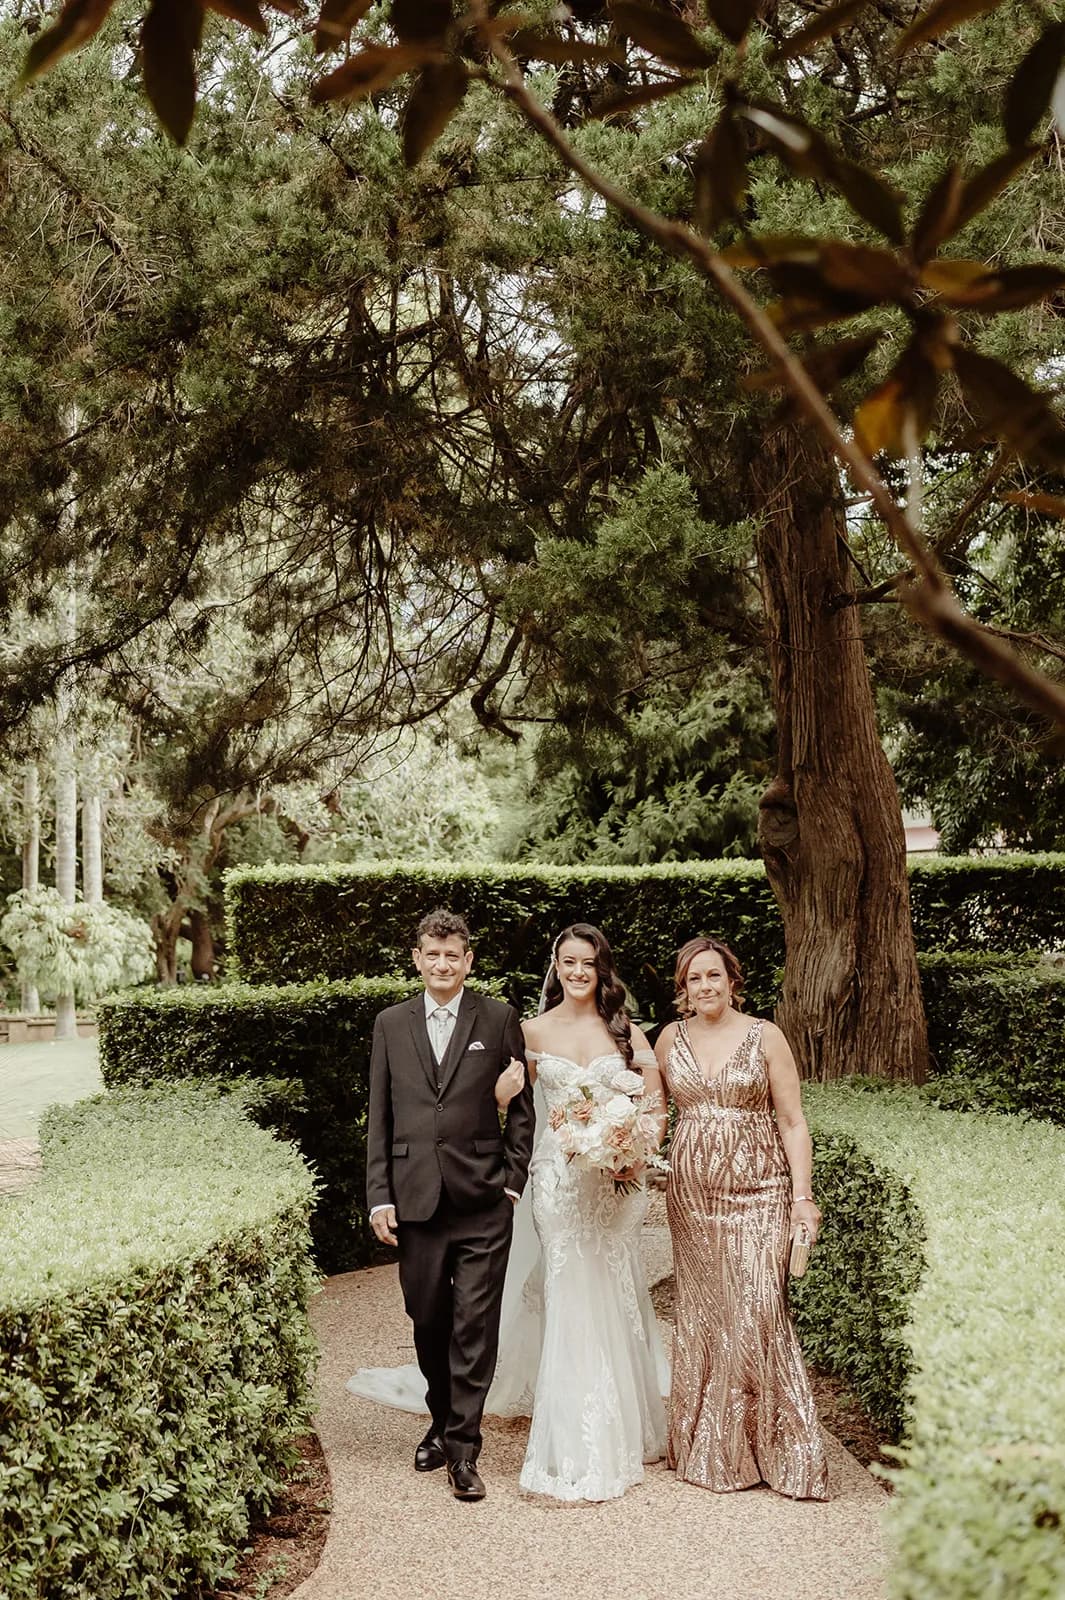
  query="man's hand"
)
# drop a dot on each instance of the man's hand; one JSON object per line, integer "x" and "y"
{"x": 511, "y": 1081}
{"x": 383, "y": 1223}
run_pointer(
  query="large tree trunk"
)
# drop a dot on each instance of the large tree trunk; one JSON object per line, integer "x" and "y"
{"x": 31, "y": 860}
{"x": 830, "y": 824}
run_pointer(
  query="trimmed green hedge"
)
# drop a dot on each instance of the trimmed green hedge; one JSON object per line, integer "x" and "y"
{"x": 154, "y": 1344}
{"x": 980, "y": 1493}
{"x": 997, "y": 1031}
{"x": 317, "y": 1035}
{"x": 293, "y": 924}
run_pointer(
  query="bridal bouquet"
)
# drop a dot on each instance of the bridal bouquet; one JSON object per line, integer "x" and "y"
{"x": 604, "y": 1128}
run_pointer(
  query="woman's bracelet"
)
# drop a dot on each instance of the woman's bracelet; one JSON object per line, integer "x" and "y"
{"x": 797, "y": 1197}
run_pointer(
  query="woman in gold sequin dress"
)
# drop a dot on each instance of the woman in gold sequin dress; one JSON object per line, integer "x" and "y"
{"x": 741, "y": 1408}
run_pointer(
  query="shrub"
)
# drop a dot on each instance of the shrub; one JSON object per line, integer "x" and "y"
{"x": 997, "y": 1031}
{"x": 318, "y": 1035}
{"x": 155, "y": 1346}
{"x": 980, "y": 1492}
{"x": 293, "y": 924}
{"x": 81, "y": 949}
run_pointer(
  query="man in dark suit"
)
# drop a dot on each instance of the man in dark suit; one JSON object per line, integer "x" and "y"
{"x": 444, "y": 1177}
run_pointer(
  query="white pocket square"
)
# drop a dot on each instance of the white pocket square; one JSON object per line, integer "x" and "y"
{"x": 476, "y": 1045}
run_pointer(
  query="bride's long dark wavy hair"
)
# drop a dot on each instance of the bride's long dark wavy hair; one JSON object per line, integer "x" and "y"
{"x": 609, "y": 990}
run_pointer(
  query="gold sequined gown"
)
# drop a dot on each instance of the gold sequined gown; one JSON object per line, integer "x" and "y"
{"x": 741, "y": 1408}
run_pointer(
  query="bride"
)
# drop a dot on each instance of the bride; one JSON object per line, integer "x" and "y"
{"x": 579, "y": 1344}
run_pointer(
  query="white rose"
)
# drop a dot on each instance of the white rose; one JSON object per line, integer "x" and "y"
{"x": 618, "y": 1110}
{"x": 626, "y": 1082}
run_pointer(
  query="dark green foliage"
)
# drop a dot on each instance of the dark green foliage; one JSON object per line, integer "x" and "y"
{"x": 154, "y": 1343}
{"x": 997, "y": 1032}
{"x": 852, "y": 1306}
{"x": 316, "y": 1036}
{"x": 337, "y": 921}
{"x": 296, "y": 924}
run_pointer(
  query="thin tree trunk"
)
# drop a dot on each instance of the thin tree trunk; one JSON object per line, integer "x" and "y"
{"x": 830, "y": 824}
{"x": 92, "y": 859}
{"x": 66, "y": 812}
{"x": 203, "y": 957}
{"x": 31, "y": 860}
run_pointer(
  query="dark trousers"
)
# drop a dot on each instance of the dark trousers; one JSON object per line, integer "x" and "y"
{"x": 451, "y": 1270}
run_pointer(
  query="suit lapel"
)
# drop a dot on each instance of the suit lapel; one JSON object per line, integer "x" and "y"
{"x": 420, "y": 1034}
{"x": 460, "y": 1038}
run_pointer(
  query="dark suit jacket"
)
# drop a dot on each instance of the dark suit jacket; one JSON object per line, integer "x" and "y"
{"x": 421, "y": 1139}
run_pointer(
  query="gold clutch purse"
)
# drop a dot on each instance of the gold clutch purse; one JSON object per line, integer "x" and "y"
{"x": 799, "y": 1259}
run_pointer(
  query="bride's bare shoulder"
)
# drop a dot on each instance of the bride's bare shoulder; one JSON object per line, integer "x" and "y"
{"x": 532, "y": 1028}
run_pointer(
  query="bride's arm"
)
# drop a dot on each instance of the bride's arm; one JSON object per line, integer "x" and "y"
{"x": 654, "y": 1095}
{"x": 511, "y": 1080}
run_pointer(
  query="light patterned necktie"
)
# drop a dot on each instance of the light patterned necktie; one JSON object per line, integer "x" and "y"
{"x": 441, "y": 1021}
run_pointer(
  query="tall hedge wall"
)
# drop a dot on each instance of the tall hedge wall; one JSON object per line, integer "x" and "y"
{"x": 154, "y": 1345}
{"x": 962, "y": 1253}
{"x": 293, "y": 924}
{"x": 316, "y": 1035}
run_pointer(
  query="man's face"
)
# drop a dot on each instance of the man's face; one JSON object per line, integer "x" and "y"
{"x": 443, "y": 965}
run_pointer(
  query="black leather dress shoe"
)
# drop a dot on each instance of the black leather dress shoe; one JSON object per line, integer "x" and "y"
{"x": 430, "y": 1453}
{"x": 464, "y": 1480}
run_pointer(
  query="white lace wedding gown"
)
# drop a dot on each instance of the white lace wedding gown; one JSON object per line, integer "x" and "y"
{"x": 579, "y": 1343}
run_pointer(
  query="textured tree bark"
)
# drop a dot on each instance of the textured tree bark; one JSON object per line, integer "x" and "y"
{"x": 66, "y": 804}
{"x": 830, "y": 825}
{"x": 92, "y": 854}
{"x": 202, "y": 945}
{"x": 31, "y": 860}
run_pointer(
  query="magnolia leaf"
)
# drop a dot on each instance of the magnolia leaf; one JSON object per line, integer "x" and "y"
{"x": 808, "y": 300}
{"x": 375, "y": 67}
{"x": 619, "y": 105}
{"x": 826, "y": 364}
{"x": 875, "y": 274}
{"x": 421, "y": 21}
{"x": 169, "y": 39}
{"x": 437, "y": 94}
{"x": 1029, "y": 91}
{"x": 720, "y": 172}
{"x": 530, "y": 44}
{"x": 1007, "y": 408}
{"x": 733, "y": 18}
{"x": 833, "y": 19}
{"x": 941, "y": 18}
{"x": 874, "y": 200}
{"x": 984, "y": 185}
{"x": 335, "y": 22}
{"x": 761, "y": 250}
{"x": 77, "y": 22}
{"x": 898, "y": 413}
{"x": 939, "y": 214}
{"x": 244, "y": 11}
{"x": 950, "y": 275}
{"x": 1008, "y": 289}
{"x": 661, "y": 34}
{"x": 1047, "y": 505}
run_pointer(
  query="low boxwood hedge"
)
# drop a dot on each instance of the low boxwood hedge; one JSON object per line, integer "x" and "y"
{"x": 154, "y": 1344}
{"x": 290, "y": 924}
{"x": 315, "y": 1035}
{"x": 956, "y": 1222}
